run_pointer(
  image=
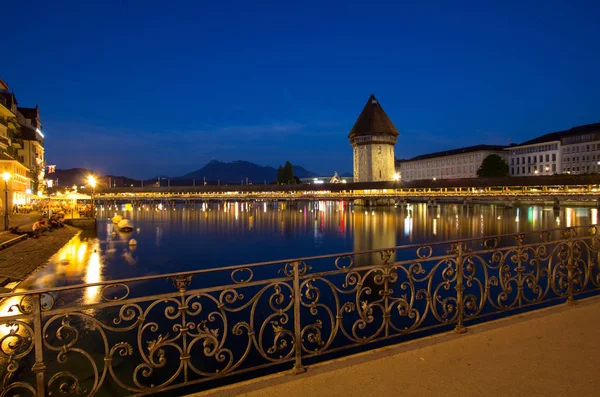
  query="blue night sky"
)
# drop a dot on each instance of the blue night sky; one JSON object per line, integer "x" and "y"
{"x": 147, "y": 88}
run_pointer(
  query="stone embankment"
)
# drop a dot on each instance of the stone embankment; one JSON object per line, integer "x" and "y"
{"x": 20, "y": 259}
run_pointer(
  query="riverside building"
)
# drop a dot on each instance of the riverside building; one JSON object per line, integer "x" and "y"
{"x": 573, "y": 151}
{"x": 21, "y": 148}
{"x": 449, "y": 164}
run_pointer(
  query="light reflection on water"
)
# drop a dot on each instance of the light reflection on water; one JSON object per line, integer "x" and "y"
{"x": 179, "y": 239}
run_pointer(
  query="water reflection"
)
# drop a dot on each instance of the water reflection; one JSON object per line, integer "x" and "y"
{"x": 177, "y": 238}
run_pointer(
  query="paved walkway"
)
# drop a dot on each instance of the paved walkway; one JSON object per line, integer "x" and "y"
{"x": 19, "y": 220}
{"x": 551, "y": 352}
{"x": 21, "y": 259}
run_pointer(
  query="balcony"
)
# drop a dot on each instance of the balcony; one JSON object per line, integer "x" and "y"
{"x": 3, "y": 121}
{"x": 17, "y": 143}
{"x": 4, "y": 141}
{"x": 5, "y": 108}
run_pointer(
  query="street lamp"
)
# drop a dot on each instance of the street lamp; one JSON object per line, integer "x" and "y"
{"x": 92, "y": 182}
{"x": 6, "y": 177}
{"x": 396, "y": 176}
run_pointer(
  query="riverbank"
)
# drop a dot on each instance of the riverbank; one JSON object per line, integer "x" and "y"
{"x": 18, "y": 261}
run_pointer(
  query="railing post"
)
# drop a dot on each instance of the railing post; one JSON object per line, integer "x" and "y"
{"x": 298, "y": 367}
{"x": 460, "y": 328}
{"x": 38, "y": 367}
{"x": 570, "y": 272}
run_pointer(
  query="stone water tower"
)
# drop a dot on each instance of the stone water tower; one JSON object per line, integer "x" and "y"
{"x": 373, "y": 138}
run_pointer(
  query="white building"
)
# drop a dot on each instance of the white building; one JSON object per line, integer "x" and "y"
{"x": 574, "y": 151}
{"x": 539, "y": 156}
{"x": 373, "y": 137}
{"x": 449, "y": 164}
{"x": 580, "y": 149}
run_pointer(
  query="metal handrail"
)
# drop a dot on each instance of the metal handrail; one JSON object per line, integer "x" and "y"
{"x": 194, "y": 334}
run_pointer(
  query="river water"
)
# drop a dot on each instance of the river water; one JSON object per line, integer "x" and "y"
{"x": 181, "y": 239}
{"x": 220, "y": 234}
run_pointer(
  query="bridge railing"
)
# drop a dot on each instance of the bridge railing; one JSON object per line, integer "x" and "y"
{"x": 157, "y": 333}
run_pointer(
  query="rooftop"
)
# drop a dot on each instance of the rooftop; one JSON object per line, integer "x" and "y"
{"x": 468, "y": 149}
{"x": 557, "y": 136}
{"x": 373, "y": 121}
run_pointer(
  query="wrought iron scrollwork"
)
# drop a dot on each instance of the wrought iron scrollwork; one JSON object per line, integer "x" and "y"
{"x": 281, "y": 312}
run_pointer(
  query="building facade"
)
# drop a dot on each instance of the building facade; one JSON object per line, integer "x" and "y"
{"x": 449, "y": 164}
{"x": 32, "y": 151}
{"x": 539, "y": 156}
{"x": 580, "y": 149}
{"x": 373, "y": 137}
{"x": 17, "y": 185}
{"x": 21, "y": 147}
{"x": 573, "y": 151}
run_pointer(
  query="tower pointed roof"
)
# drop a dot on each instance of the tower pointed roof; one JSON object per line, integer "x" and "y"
{"x": 373, "y": 121}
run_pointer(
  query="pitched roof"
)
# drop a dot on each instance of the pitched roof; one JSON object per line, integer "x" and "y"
{"x": 557, "y": 136}
{"x": 468, "y": 149}
{"x": 373, "y": 120}
{"x": 553, "y": 136}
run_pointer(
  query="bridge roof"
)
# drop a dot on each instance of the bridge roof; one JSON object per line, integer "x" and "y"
{"x": 373, "y": 121}
{"x": 550, "y": 180}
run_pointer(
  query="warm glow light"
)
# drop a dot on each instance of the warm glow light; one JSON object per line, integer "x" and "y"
{"x": 91, "y": 181}
{"x": 396, "y": 176}
{"x": 6, "y": 176}
{"x": 93, "y": 276}
{"x": 28, "y": 191}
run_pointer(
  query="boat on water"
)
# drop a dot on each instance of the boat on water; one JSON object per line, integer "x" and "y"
{"x": 116, "y": 219}
{"x": 125, "y": 225}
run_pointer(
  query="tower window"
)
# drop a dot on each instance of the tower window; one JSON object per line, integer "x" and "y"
{"x": 380, "y": 173}
{"x": 378, "y": 149}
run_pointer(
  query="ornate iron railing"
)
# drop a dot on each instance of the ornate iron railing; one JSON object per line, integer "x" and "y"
{"x": 157, "y": 333}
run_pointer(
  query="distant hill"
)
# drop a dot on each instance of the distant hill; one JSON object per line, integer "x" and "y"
{"x": 78, "y": 177}
{"x": 237, "y": 171}
{"x": 69, "y": 177}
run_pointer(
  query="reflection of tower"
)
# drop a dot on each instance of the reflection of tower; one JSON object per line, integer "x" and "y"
{"x": 373, "y": 137}
{"x": 372, "y": 230}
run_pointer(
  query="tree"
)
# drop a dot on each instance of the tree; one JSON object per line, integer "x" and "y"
{"x": 285, "y": 174}
{"x": 288, "y": 173}
{"x": 493, "y": 166}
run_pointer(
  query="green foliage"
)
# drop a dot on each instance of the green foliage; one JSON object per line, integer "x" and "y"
{"x": 493, "y": 166}
{"x": 285, "y": 174}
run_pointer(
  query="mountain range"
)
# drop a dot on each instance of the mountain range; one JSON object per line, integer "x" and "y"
{"x": 236, "y": 171}
{"x": 215, "y": 171}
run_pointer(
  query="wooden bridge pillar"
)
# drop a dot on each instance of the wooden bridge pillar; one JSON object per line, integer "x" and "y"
{"x": 556, "y": 204}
